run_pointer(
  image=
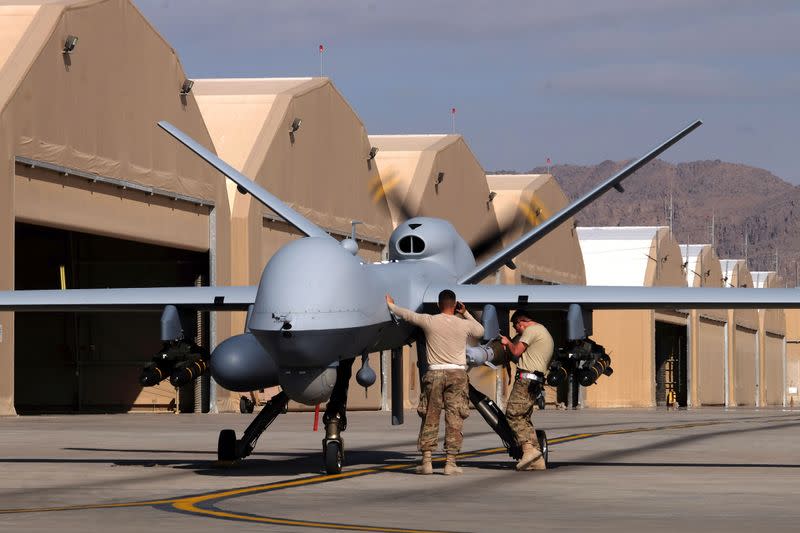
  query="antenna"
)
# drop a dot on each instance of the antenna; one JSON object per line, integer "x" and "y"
{"x": 686, "y": 262}
{"x": 702, "y": 272}
{"x": 671, "y": 212}
{"x": 353, "y": 224}
{"x": 713, "y": 238}
{"x": 746, "y": 242}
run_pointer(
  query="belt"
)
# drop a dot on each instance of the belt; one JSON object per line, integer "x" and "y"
{"x": 533, "y": 376}
{"x": 446, "y": 366}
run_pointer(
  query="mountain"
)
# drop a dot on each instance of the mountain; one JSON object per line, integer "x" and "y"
{"x": 740, "y": 199}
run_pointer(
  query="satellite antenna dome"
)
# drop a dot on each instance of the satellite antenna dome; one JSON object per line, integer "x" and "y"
{"x": 350, "y": 245}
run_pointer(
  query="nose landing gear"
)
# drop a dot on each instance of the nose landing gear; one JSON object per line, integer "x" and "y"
{"x": 333, "y": 443}
{"x": 230, "y": 449}
{"x": 335, "y": 420}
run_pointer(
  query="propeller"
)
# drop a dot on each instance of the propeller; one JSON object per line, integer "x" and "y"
{"x": 386, "y": 188}
{"x": 490, "y": 240}
{"x": 487, "y": 241}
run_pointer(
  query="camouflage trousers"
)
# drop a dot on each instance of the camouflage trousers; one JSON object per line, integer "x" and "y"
{"x": 518, "y": 411}
{"x": 443, "y": 390}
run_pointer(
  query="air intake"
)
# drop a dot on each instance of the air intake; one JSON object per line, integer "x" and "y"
{"x": 411, "y": 244}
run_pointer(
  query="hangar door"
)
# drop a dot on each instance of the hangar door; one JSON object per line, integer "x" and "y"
{"x": 710, "y": 362}
{"x": 670, "y": 365}
{"x": 90, "y": 362}
{"x": 773, "y": 359}
{"x": 744, "y": 365}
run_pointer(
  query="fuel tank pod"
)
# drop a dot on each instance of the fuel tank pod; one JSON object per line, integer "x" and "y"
{"x": 241, "y": 363}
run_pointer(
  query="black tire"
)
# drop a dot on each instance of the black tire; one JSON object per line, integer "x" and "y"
{"x": 226, "y": 445}
{"x": 541, "y": 436}
{"x": 246, "y": 405}
{"x": 333, "y": 457}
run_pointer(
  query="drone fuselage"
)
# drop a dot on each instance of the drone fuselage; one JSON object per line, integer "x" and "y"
{"x": 317, "y": 303}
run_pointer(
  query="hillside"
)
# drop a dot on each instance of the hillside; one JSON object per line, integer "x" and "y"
{"x": 739, "y": 197}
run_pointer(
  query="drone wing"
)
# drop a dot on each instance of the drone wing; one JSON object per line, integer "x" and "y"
{"x": 594, "y": 297}
{"x": 144, "y": 299}
{"x": 244, "y": 183}
{"x": 522, "y": 243}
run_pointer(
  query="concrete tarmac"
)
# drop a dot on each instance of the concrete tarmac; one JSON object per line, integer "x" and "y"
{"x": 611, "y": 470}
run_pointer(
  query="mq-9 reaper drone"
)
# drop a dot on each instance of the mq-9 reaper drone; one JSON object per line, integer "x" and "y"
{"x": 318, "y": 306}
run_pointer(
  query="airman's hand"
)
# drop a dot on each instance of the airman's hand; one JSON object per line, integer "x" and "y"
{"x": 389, "y": 299}
{"x": 460, "y": 308}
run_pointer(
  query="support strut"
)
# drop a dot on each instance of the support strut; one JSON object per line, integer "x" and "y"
{"x": 231, "y": 449}
{"x": 335, "y": 419}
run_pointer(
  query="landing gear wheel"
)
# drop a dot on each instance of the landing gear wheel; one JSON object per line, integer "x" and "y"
{"x": 226, "y": 445}
{"x": 333, "y": 456}
{"x": 246, "y": 405}
{"x": 541, "y": 436}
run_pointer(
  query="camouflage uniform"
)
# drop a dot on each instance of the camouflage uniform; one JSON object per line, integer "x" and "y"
{"x": 535, "y": 358}
{"x": 519, "y": 408}
{"x": 443, "y": 389}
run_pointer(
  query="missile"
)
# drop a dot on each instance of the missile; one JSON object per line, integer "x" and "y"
{"x": 185, "y": 372}
{"x": 558, "y": 373}
{"x": 155, "y": 373}
{"x": 590, "y": 373}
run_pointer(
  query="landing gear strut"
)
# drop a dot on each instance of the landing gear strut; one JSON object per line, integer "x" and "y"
{"x": 335, "y": 420}
{"x": 231, "y": 449}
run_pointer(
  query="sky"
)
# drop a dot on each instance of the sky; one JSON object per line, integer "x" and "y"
{"x": 576, "y": 81}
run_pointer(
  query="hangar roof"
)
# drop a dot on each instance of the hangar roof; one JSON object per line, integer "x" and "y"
{"x": 633, "y": 255}
{"x": 320, "y": 170}
{"x": 735, "y": 273}
{"x": 83, "y": 125}
{"x": 522, "y": 202}
{"x": 774, "y": 319}
{"x": 702, "y": 265}
{"x": 766, "y": 279}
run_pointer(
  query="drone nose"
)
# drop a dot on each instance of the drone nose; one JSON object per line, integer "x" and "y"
{"x": 314, "y": 284}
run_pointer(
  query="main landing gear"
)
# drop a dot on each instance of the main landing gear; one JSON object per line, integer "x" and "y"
{"x": 229, "y": 448}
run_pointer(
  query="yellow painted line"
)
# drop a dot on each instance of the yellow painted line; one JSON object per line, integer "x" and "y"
{"x": 189, "y": 507}
{"x": 89, "y": 506}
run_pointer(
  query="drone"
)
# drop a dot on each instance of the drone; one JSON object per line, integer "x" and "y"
{"x": 318, "y": 307}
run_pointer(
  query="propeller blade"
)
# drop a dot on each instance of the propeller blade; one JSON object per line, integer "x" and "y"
{"x": 386, "y": 189}
{"x": 491, "y": 240}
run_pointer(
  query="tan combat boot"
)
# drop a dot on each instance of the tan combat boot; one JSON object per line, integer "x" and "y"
{"x": 450, "y": 467}
{"x": 426, "y": 466}
{"x": 531, "y": 458}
